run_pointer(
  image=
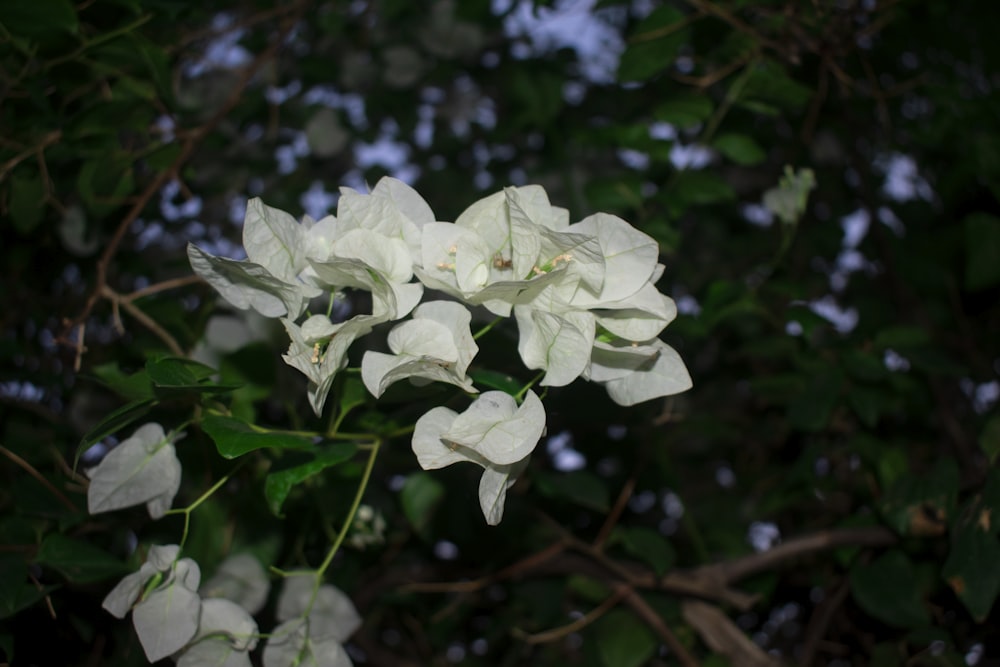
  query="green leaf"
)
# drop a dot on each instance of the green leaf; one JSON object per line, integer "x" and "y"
{"x": 623, "y": 640}
{"x": 769, "y": 85}
{"x": 654, "y": 45}
{"x": 133, "y": 387}
{"x": 80, "y": 562}
{"x": 740, "y": 148}
{"x": 496, "y": 380}
{"x": 971, "y": 569}
{"x": 982, "y": 251}
{"x": 278, "y": 485}
{"x": 923, "y": 505}
{"x": 579, "y": 487}
{"x": 811, "y": 410}
{"x": 38, "y": 19}
{"x": 172, "y": 375}
{"x": 989, "y": 439}
{"x": 901, "y": 338}
{"x": 16, "y": 591}
{"x": 886, "y": 588}
{"x": 647, "y": 545}
{"x": 234, "y": 438}
{"x": 684, "y": 111}
{"x": 104, "y": 183}
{"x": 699, "y": 188}
{"x": 27, "y": 200}
{"x": 115, "y": 421}
{"x": 420, "y": 496}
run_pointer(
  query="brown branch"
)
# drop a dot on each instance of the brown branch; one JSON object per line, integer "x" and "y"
{"x": 188, "y": 148}
{"x": 653, "y": 620}
{"x": 509, "y": 572}
{"x": 27, "y": 467}
{"x": 720, "y": 12}
{"x": 556, "y": 634}
{"x": 820, "y": 621}
{"x": 144, "y": 319}
{"x": 162, "y": 286}
{"x": 723, "y": 636}
{"x": 732, "y": 571}
{"x": 47, "y": 140}
{"x": 615, "y": 514}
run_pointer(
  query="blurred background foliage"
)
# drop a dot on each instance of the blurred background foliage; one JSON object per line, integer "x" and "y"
{"x": 825, "y": 495}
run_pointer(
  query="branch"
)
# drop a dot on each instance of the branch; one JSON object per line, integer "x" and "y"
{"x": 192, "y": 141}
{"x": 649, "y": 615}
{"x": 729, "y": 572}
{"x": 723, "y": 636}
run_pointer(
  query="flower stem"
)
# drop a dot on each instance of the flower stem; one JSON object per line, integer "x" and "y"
{"x": 524, "y": 390}
{"x": 486, "y": 329}
{"x": 372, "y": 454}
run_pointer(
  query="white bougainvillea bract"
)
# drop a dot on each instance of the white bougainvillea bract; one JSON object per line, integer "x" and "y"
{"x": 583, "y": 297}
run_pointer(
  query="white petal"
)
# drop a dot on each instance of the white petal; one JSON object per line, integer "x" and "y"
{"x": 273, "y": 239}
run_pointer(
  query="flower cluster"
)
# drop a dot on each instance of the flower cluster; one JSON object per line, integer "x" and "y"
{"x": 583, "y": 296}
{"x": 213, "y": 624}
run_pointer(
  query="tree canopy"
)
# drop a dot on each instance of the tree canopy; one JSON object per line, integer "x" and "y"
{"x": 707, "y": 293}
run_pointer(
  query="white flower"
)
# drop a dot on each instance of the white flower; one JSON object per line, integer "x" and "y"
{"x": 493, "y": 433}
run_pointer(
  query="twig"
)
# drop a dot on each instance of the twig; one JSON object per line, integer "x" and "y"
{"x": 144, "y": 319}
{"x": 723, "y": 636}
{"x": 719, "y": 12}
{"x": 556, "y": 634}
{"x": 187, "y": 150}
{"x": 47, "y": 140}
{"x": 615, "y": 514}
{"x": 27, "y": 467}
{"x": 48, "y": 599}
{"x": 509, "y": 572}
{"x": 734, "y": 570}
{"x": 162, "y": 286}
{"x": 653, "y": 620}
{"x": 819, "y": 622}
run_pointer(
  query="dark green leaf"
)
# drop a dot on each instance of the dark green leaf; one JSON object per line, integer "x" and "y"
{"x": 488, "y": 379}
{"x": 135, "y": 386}
{"x": 27, "y": 200}
{"x": 886, "y": 588}
{"x": 647, "y": 545}
{"x": 989, "y": 439}
{"x": 982, "y": 250}
{"x": 36, "y": 19}
{"x": 769, "y": 85}
{"x": 811, "y": 410}
{"x": 78, "y": 561}
{"x": 923, "y": 505}
{"x": 234, "y": 438}
{"x": 579, "y": 486}
{"x": 16, "y": 590}
{"x": 740, "y": 148}
{"x": 420, "y": 496}
{"x": 653, "y": 46}
{"x": 900, "y": 338}
{"x": 683, "y": 111}
{"x": 279, "y": 484}
{"x": 702, "y": 187}
{"x": 115, "y": 421}
{"x": 174, "y": 375}
{"x": 971, "y": 569}
{"x": 623, "y": 640}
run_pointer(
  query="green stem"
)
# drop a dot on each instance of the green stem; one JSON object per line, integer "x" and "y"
{"x": 186, "y": 511}
{"x": 372, "y": 455}
{"x": 99, "y": 39}
{"x": 486, "y": 329}
{"x": 524, "y": 390}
